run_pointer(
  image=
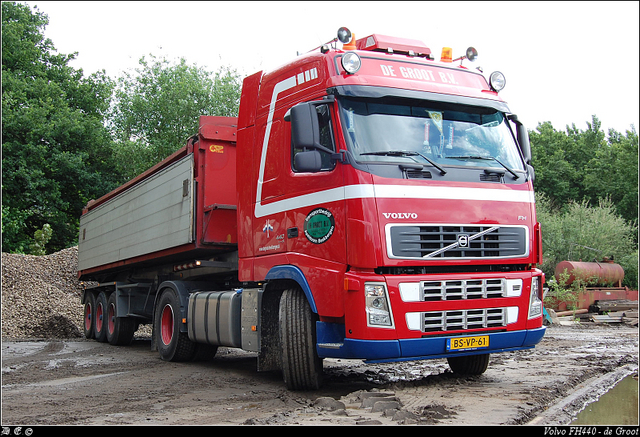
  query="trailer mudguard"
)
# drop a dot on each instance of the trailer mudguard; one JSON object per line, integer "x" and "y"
{"x": 295, "y": 274}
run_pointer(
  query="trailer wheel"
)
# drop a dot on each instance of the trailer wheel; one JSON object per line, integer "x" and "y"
{"x": 469, "y": 365}
{"x": 89, "y": 315}
{"x": 120, "y": 330}
{"x": 172, "y": 344}
{"x": 100, "y": 322}
{"x": 301, "y": 366}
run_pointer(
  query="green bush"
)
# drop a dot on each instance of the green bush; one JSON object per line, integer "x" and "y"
{"x": 586, "y": 233}
{"x": 40, "y": 239}
{"x": 630, "y": 265}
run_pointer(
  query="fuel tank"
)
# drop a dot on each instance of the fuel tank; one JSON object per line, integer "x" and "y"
{"x": 592, "y": 273}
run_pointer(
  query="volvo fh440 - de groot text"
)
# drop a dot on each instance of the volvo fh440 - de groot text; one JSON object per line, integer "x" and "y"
{"x": 369, "y": 202}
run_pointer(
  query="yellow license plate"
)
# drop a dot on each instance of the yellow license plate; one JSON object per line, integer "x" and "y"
{"x": 467, "y": 343}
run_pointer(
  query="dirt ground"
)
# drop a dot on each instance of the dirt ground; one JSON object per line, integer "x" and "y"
{"x": 80, "y": 382}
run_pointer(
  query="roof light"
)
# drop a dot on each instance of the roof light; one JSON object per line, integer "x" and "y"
{"x": 344, "y": 35}
{"x": 446, "y": 55}
{"x": 472, "y": 54}
{"x": 497, "y": 81}
{"x": 351, "y": 45}
{"x": 351, "y": 62}
{"x": 390, "y": 44}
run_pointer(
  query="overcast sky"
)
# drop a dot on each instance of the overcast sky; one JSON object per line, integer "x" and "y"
{"x": 563, "y": 62}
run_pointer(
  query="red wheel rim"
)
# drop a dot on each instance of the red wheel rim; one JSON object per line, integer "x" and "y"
{"x": 166, "y": 325}
{"x": 99, "y": 318}
{"x": 111, "y": 318}
{"x": 87, "y": 316}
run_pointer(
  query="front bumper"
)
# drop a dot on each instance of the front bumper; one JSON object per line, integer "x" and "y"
{"x": 333, "y": 345}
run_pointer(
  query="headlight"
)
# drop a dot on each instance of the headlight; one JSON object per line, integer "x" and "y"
{"x": 535, "y": 301}
{"x": 351, "y": 62}
{"x": 377, "y": 305}
{"x": 497, "y": 81}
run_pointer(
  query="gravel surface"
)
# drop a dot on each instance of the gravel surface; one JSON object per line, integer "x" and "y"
{"x": 41, "y": 296}
{"x": 52, "y": 375}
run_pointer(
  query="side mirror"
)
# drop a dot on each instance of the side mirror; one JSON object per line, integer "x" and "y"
{"x": 523, "y": 138}
{"x": 305, "y": 131}
{"x": 305, "y": 134}
{"x": 309, "y": 161}
{"x": 523, "y": 141}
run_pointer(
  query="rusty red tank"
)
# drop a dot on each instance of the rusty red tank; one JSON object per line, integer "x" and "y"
{"x": 592, "y": 273}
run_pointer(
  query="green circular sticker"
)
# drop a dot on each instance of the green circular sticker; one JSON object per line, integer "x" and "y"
{"x": 319, "y": 225}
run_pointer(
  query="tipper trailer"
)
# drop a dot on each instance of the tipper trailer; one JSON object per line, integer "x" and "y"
{"x": 368, "y": 202}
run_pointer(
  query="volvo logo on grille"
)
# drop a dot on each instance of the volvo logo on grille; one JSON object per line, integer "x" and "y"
{"x": 463, "y": 240}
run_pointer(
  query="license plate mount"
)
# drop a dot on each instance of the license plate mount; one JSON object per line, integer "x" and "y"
{"x": 467, "y": 343}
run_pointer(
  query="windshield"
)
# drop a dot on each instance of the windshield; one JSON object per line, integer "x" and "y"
{"x": 425, "y": 131}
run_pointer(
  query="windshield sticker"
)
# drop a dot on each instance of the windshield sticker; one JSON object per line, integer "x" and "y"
{"x": 427, "y": 147}
{"x": 350, "y": 127}
{"x": 436, "y": 117}
{"x": 319, "y": 225}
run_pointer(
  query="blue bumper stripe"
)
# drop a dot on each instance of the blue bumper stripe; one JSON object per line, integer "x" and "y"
{"x": 423, "y": 348}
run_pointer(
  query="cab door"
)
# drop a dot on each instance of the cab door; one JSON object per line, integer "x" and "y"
{"x": 316, "y": 226}
{"x": 301, "y": 209}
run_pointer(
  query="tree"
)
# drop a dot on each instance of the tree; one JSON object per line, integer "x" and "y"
{"x": 555, "y": 176}
{"x": 579, "y": 165}
{"x": 56, "y": 151}
{"x": 613, "y": 172}
{"x": 158, "y": 105}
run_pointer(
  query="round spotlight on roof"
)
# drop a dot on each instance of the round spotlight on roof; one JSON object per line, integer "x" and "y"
{"x": 344, "y": 35}
{"x": 351, "y": 62}
{"x": 497, "y": 81}
{"x": 472, "y": 54}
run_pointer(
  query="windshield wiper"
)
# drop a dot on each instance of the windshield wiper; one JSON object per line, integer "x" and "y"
{"x": 487, "y": 158}
{"x": 405, "y": 153}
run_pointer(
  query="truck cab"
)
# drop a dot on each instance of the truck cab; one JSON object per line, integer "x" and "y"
{"x": 396, "y": 193}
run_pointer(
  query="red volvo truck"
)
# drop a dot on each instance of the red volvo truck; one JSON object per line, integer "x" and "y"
{"x": 369, "y": 202}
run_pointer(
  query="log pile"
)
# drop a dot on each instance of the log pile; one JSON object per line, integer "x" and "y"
{"x": 616, "y": 311}
{"x": 603, "y": 311}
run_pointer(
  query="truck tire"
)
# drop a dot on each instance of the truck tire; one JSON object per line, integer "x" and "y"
{"x": 100, "y": 319}
{"x": 172, "y": 344}
{"x": 469, "y": 365}
{"x": 301, "y": 366}
{"x": 89, "y": 315}
{"x": 205, "y": 352}
{"x": 120, "y": 330}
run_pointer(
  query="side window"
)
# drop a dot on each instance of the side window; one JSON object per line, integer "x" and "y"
{"x": 326, "y": 139}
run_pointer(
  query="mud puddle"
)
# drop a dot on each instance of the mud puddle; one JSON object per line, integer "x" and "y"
{"x": 618, "y": 406}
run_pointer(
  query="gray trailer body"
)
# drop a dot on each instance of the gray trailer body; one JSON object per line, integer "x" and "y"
{"x": 155, "y": 214}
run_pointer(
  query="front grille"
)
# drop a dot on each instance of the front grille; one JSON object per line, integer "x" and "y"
{"x": 464, "y": 319}
{"x": 456, "y": 241}
{"x": 464, "y": 289}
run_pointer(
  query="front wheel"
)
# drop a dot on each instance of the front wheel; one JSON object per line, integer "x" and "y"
{"x": 469, "y": 365}
{"x": 301, "y": 366}
{"x": 172, "y": 344}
